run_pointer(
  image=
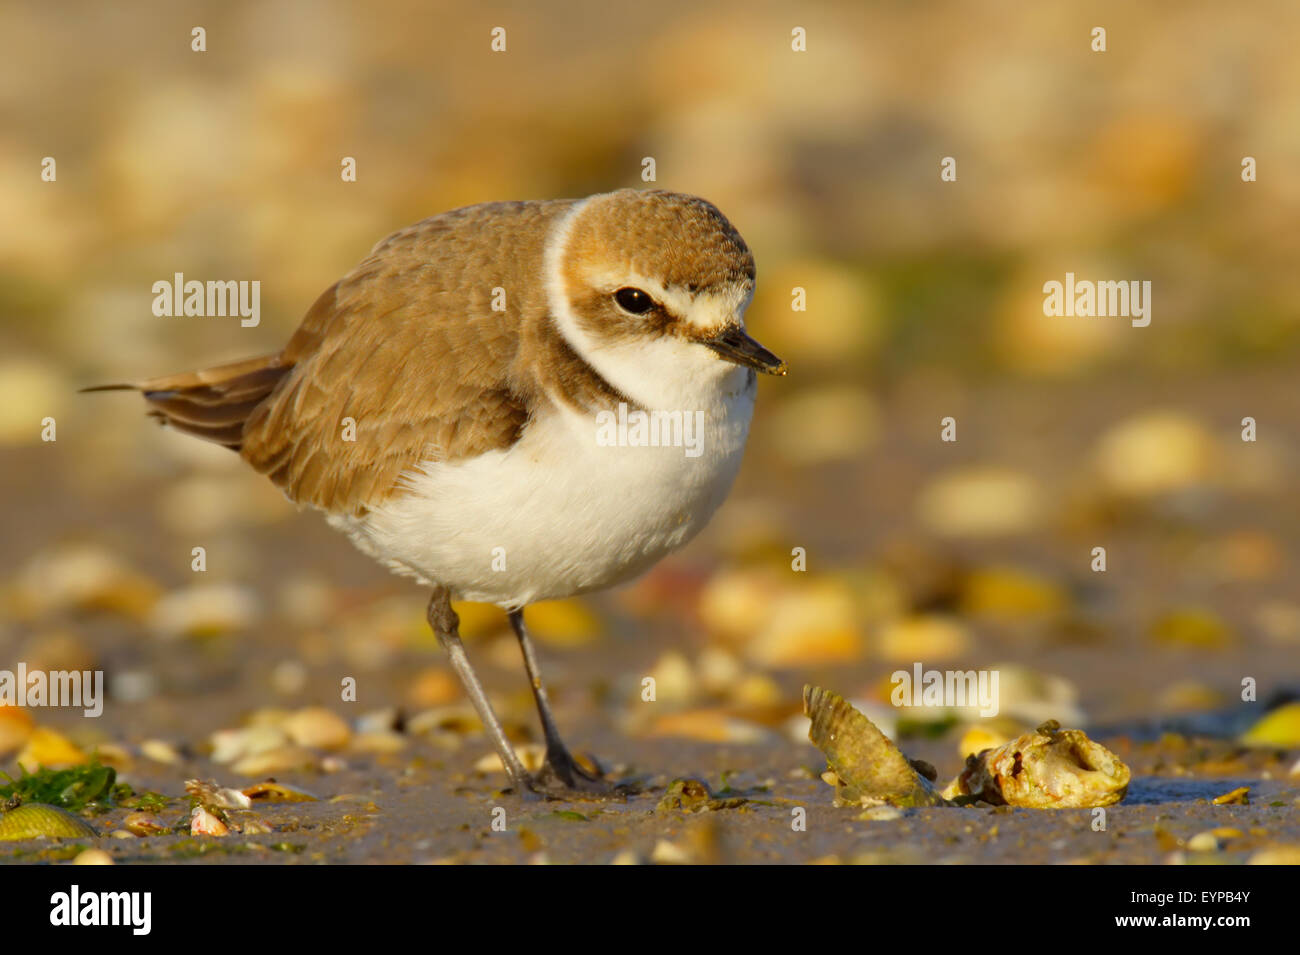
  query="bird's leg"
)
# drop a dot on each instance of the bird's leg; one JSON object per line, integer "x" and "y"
{"x": 560, "y": 764}
{"x": 446, "y": 627}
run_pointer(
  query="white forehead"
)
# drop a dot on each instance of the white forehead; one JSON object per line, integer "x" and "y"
{"x": 706, "y": 309}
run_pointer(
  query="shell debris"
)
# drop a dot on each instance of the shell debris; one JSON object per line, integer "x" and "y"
{"x": 869, "y": 769}
{"x": 1050, "y": 768}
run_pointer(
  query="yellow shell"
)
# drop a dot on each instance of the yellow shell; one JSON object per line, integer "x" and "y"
{"x": 37, "y": 820}
{"x": 1050, "y": 768}
{"x": 870, "y": 770}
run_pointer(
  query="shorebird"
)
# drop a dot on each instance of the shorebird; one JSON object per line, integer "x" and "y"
{"x": 448, "y": 404}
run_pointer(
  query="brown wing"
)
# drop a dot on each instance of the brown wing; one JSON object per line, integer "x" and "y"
{"x": 404, "y": 360}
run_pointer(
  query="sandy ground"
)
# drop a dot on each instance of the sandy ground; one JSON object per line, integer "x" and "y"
{"x": 425, "y": 801}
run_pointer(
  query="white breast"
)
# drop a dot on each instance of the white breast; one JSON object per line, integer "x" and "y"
{"x": 559, "y": 513}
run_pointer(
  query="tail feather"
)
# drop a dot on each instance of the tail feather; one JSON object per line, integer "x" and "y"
{"x": 211, "y": 403}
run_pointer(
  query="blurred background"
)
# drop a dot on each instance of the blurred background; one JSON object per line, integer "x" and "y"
{"x": 924, "y": 300}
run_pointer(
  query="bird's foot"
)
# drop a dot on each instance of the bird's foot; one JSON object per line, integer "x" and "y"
{"x": 563, "y": 777}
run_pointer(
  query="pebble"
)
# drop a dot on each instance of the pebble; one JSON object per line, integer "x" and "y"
{"x": 160, "y": 751}
{"x": 981, "y": 501}
{"x": 455, "y": 718}
{"x": 815, "y": 624}
{"x": 204, "y": 610}
{"x": 232, "y": 744}
{"x": 289, "y": 677}
{"x": 1192, "y": 627}
{"x": 434, "y": 686}
{"x": 532, "y": 755}
{"x": 880, "y": 814}
{"x": 707, "y": 725}
{"x": 1008, "y": 593}
{"x": 50, "y": 749}
{"x": 378, "y": 741}
{"x": 979, "y": 738}
{"x": 132, "y": 686}
{"x": 84, "y": 577}
{"x": 669, "y": 853}
{"x": 30, "y": 390}
{"x": 93, "y": 857}
{"x": 1279, "y": 728}
{"x": 562, "y": 623}
{"x": 834, "y": 423}
{"x": 928, "y": 637}
{"x": 1204, "y": 842}
{"x": 378, "y": 721}
{"x": 1275, "y": 855}
{"x": 674, "y": 679}
{"x": 1153, "y": 453}
{"x": 282, "y": 759}
{"x": 16, "y": 725}
{"x": 318, "y": 728}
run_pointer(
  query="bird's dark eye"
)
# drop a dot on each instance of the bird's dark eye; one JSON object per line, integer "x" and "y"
{"x": 634, "y": 300}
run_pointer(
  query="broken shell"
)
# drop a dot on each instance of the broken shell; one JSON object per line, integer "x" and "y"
{"x": 1050, "y": 768}
{"x": 145, "y": 824}
{"x": 37, "y": 820}
{"x": 694, "y": 795}
{"x": 204, "y": 823}
{"x": 271, "y": 791}
{"x": 210, "y": 794}
{"x": 1237, "y": 797}
{"x": 869, "y": 769}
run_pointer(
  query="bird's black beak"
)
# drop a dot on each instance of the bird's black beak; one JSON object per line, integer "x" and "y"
{"x": 735, "y": 346}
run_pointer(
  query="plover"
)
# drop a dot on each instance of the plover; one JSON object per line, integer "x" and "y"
{"x": 447, "y": 404}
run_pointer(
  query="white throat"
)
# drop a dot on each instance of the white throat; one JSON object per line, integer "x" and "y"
{"x": 657, "y": 372}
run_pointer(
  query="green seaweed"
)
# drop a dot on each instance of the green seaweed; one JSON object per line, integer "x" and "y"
{"x": 80, "y": 787}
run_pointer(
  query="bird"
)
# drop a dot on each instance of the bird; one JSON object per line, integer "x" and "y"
{"x": 501, "y": 402}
